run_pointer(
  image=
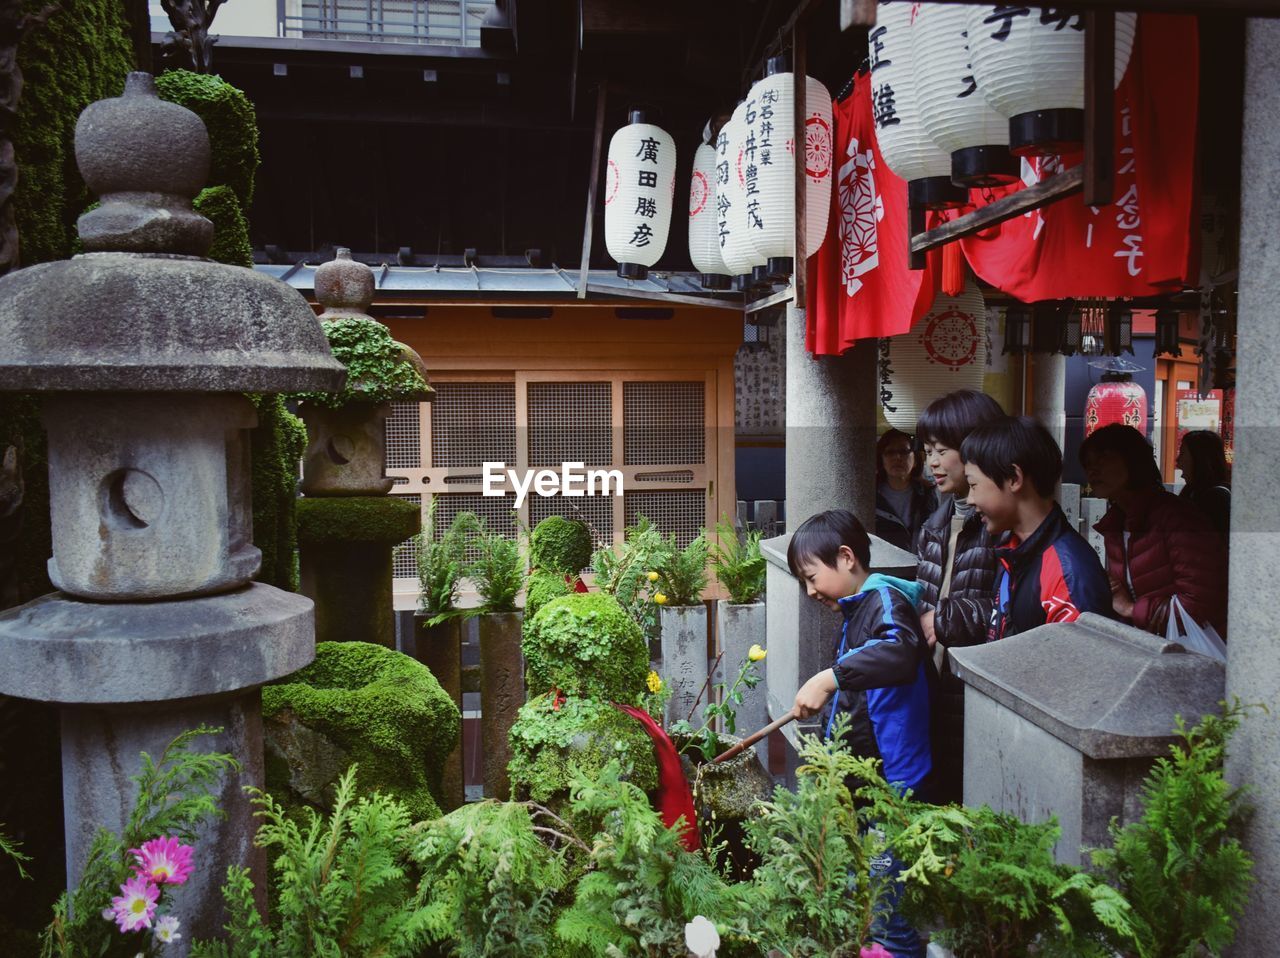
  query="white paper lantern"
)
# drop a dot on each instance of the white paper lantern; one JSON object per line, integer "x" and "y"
{"x": 739, "y": 253}
{"x": 904, "y": 143}
{"x": 704, "y": 241}
{"x": 639, "y": 189}
{"x": 769, "y": 166}
{"x": 1029, "y": 64}
{"x": 953, "y": 109}
{"x": 944, "y": 351}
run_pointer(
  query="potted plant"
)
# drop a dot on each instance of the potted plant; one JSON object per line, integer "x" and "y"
{"x": 499, "y": 575}
{"x": 682, "y": 620}
{"x": 740, "y": 568}
{"x": 629, "y": 575}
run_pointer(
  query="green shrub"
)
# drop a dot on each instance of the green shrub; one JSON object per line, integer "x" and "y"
{"x": 442, "y": 561}
{"x": 738, "y": 563}
{"x": 231, "y": 245}
{"x": 586, "y": 645}
{"x": 684, "y": 572}
{"x": 377, "y": 371}
{"x": 542, "y": 588}
{"x": 498, "y": 571}
{"x": 554, "y": 738}
{"x": 560, "y": 545}
{"x": 233, "y": 127}
{"x": 625, "y": 574}
{"x": 277, "y": 443}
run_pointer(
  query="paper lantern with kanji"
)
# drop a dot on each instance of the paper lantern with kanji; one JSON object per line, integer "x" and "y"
{"x": 954, "y": 112}
{"x": 639, "y": 188}
{"x": 1029, "y": 64}
{"x": 946, "y": 350}
{"x": 739, "y": 253}
{"x": 768, "y": 169}
{"x": 1116, "y": 399}
{"x": 704, "y": 241}
{"x": 904, "y": 143}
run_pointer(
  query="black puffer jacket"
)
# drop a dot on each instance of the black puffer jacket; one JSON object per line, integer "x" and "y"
{"x": 961, "y": 618}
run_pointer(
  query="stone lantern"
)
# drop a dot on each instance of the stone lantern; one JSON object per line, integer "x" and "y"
{"x": 143, "y": 350}
{"x": 348, "y": 526}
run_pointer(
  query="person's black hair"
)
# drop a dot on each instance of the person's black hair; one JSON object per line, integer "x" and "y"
{"x": 821, "y": 536}
{"x": 996, "y": 447}
{"x": 1132, "y": 447}
{"x": 950, "y": 418}
{"x": 917, "y": 460}
{"x": 1208, "y": 457}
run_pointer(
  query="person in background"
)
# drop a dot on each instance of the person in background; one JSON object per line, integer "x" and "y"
{"x": 1203, "y": 462}
{"x": 956, "y": 572}
{"x": 1048, "y": 572}
{"x": 1158, "y": 545}
{"x": 903, "y": 499}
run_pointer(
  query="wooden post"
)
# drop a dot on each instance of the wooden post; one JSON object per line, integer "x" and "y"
{"x": 1099, "y": 107}
{"x": 596, "y": 149}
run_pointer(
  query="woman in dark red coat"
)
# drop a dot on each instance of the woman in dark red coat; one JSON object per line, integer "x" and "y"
{"x": 1158, "y": 545}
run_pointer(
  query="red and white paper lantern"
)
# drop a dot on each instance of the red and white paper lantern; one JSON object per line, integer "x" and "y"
{"x": 954, "y": 111}
{"x": 1117, "y": 399}
{"x": 704, "y": 241}
{"x": 904, "y": 143}
{"x": 945, "y": 350}
{"x": 639, "y": 189}
{"x": 769, "y": 166}
{"x": 1029, "y": 65}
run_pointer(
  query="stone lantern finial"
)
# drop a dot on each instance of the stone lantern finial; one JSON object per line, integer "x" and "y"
{"x": 344, "y": 286}
{"x": 146, "y": 158}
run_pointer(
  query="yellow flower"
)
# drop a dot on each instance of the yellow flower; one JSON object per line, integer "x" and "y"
{"x": 755, "y": 653}
{"x": 655, "y": 683}
{"x": 654, "y": 577}
{"x": 660, "y": 598}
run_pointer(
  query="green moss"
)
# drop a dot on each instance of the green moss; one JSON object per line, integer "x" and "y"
{"x": 384, "y": 708}
{"x": 80, "y": 55}
{"x": 377, "y": 371}
{"x": 357, "y": 519}
{"x": 278, "y": 443}
{"x": 549, "y": 744}
{"x": 560, "y": 545}
{"x": 586, "y": 645}
{"x": 542, "y": 588}
{"x": 233, "y": 127}
{"x": 231, "y": 243}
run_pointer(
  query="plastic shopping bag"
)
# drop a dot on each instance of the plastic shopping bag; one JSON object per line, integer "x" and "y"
{"x": 1193, "y": 636}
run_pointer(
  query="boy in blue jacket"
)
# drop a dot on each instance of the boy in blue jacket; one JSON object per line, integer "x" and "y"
{"x": 878, "y": 675}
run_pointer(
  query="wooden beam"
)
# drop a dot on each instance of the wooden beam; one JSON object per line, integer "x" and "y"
{"x": 1099, "y": 107}
{"x": 1024, "y": 201}
{"x": 916, "y": 220}
{"x": 1245, "y": 8}
{"x": 597, "y": 148}
{"x": 679, "y": 299}
{"x": 764, "y": 302}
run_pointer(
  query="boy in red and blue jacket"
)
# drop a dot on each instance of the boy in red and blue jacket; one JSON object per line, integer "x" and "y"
{"x": 1048, "y": 571}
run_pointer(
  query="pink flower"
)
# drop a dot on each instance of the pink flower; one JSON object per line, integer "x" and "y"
{"x": 136, "y": 905}
{"x": 164, "y": 861}
{"x": 874, "y": 950}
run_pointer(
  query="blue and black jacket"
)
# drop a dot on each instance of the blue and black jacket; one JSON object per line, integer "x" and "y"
{"x": 882, "y": 679}
{"x": 1053, "y": 576}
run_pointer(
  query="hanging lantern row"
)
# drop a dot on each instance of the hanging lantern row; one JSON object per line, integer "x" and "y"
{"x": 639, "y": 190}
{"x": 945, "y": 350}
{"x": 981, "y": 86}
{"x": 1067, "y": 327}
{"x": 1168, "y": 340}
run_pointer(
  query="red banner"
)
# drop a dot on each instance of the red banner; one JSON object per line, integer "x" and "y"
{"x": 1147, "y": 242}
{"x": 859, "y": 285}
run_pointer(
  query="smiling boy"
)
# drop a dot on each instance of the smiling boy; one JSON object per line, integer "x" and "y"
{"x": 1048, "y": 572}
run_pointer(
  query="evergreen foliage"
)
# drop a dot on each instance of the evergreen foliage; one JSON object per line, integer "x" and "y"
{"x": 175, "y": 797}
{"x": 232, "y": 124}
{"x": 442, "y": 561}
{"x": 738, "y": 563}
{"x": 625, "y": 574}
{"x": 585, "y": 645}
{"x": 560, "y": 545}
{"x": 377, "y": 370}
{"x": 497, "y": 571}
{"x": 684, "y": 571}
{"x": 231, "y": 245}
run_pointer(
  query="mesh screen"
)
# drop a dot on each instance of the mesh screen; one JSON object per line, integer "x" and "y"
{"x": 404, "y": 560}
{"x": 404, "y": 439}
{"x": 664, "y": 423}
{"x": 570, "y": 422}
{"x": 472, "y": 423}
{"x": 595, "y": 511}
{"x": 680, "y": 475}
{"x": 682, "y": 511}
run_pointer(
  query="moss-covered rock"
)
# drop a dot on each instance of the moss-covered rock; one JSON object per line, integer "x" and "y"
{"x": 231, "y": 245}
{"x": 338, "y": 519}
{"x": 560, "y": 545}
{"x": 549, "y": 743}
{"x": 359, "y": 703}
{"x": 586, "y": 645}
{"x": 542, "y": 588}
{"x": 232, "y": 124}
{"x": 378, "y": 368}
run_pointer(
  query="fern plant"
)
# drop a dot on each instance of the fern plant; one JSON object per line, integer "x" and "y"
{"x": 1181, "y": 865}
{"x": 738, "y": 562}
{"x": 625, "y": 574}
{"x": 175, "y": 797}
{"x": 442, "y": 562}
{"x": 342, "y": 889}
{"x": 683, "y": 574}
{"x": 13, "y": 851}
{"x": 498, "y": 571}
